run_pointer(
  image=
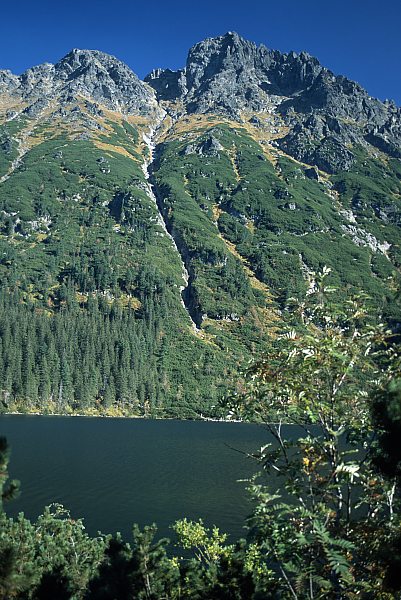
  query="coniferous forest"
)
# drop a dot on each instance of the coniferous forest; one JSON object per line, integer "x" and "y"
{"x": 104, "y": 358}
{"x": 325, "y": 506}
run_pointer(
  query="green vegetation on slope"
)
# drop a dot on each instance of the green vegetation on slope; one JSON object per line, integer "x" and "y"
{"x": 91, "y": 315}
{"x": 80, "y": 234}
{"x": 283, "y": 219}
{"x": 325, "y": 522}
{"x": 8, "y": 144}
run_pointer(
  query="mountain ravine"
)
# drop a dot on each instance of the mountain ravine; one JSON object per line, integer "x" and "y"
{"x": 151, "y": 232}
{"x": 163, "y": 221}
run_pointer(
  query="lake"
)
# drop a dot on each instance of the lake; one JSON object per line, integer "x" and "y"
{"x": 116, "y": 472}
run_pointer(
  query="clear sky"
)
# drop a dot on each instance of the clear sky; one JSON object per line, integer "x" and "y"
{"x": 357, "y": 38}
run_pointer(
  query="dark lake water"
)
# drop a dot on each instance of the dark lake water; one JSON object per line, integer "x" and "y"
{"x": 116, "y": 472}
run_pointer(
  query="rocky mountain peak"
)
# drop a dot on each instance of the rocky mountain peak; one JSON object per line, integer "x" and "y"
{"x": 325, "y": 113}
{"x": 322, "y": 114}
{"x": 77, "y": 62}
{"x": 229, "y": 74}
{"x": 90, "y": 74}
{"x": 106, "y": 80}
{"x": 212, "y": 56}
{"x": 8, "y": 81}
{"x": 223, "y": 50}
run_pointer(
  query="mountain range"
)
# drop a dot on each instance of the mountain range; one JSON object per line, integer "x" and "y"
{"x": 151, "y": 232}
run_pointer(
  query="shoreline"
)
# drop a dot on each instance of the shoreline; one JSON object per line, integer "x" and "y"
{"x": 139, "y": 417}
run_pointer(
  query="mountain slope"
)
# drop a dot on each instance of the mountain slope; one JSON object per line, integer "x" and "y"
{"x": 151, "y": 232}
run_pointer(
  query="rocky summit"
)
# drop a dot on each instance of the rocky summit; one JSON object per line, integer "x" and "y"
{"x": 152, "y": 232}
{"x": 324, "y": 112}
{"x": 89, "y": 73}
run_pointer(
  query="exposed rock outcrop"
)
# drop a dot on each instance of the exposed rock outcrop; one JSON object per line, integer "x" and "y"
{"x": 325, "y": 113}
{"x": 82, "y": 73}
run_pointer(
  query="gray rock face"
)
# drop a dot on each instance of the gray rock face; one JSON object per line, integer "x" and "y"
{"x": 208, "y": 147}
{"x": 8, "y": 82}
{"x": 34, "y": 109}
{"x": 221, "y": 74}
{"x": 169, "y": 85}
{"x": 230, "y": 74}
{"x": 325, "y": 112}
{"x": 87, "y": 73}
{"x": 106, "y": 80}
{"x": 326, "y": 115}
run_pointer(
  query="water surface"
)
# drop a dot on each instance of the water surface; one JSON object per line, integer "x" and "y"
{"x": 115, "y": 472}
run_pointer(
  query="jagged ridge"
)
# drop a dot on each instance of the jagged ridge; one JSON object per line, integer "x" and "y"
{"x": 228, "y": 75}
{"x": 325, "y": 112}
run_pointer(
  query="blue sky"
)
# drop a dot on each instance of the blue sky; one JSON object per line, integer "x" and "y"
{"x": 357, "y": 38}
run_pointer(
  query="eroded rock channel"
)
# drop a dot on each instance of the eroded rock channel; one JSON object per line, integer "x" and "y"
{"x": 187, "y": 293}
